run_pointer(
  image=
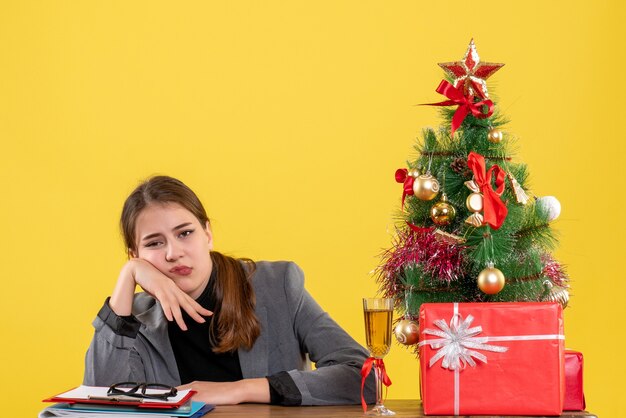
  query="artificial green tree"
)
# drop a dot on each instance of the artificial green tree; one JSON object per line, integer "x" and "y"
{"x": 470, "y": 229}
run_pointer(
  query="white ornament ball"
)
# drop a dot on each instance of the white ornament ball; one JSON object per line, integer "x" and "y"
{"x": 551, "y": 206}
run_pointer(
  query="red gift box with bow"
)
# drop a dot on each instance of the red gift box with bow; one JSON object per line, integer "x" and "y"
{"x": 492, "y": 358}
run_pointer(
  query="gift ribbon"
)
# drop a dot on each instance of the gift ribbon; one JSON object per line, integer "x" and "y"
{"x": 494, "y": 209}
{"x": 458, "y": 342}
{"x": 466, "y": 104}
{"x": 365, "y": 371}
{"x": 402, "y": 176}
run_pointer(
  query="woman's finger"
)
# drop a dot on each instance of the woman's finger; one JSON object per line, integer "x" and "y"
{"x": 194, "y": 309}
{"x": 191, "y": 311}
{"x": 178, "y": 317}
{"x": 201, "y": 310}
{"x": 185, "y": 386}
{"x": 166, "y": 309}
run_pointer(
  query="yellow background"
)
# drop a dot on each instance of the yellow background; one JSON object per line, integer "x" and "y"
{"x": 288, "y": 118}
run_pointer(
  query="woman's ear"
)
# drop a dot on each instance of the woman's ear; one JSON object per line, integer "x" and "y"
{"x": 209, "y": 234}
{"x": 131, "y": 254}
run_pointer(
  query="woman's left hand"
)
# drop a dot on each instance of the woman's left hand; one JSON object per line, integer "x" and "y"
{"x": 230, "y": 393}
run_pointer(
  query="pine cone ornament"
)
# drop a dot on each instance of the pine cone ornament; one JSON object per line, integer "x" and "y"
{"x": 459, "y": 165}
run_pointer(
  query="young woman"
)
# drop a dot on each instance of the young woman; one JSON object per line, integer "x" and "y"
{"x": 231, "y": 329}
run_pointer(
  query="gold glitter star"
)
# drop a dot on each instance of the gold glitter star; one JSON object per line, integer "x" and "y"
{"x": 471, "y": 73}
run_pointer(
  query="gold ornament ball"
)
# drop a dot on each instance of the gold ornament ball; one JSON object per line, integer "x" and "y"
{"x": 560, "y": 295}
{"x": 407, "y": 332}
{"x": 442, "y": 213}
{"x": 474, "y": 202}
{"x": 425, "y": 187}
{"x": 494, "y": 136}
{"x": 555, "y": 293}
{"x": 491, "y": 281}
{"x": 414, "y": 172}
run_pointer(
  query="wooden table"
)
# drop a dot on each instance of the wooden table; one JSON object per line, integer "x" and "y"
{"x": 403, "y": 409}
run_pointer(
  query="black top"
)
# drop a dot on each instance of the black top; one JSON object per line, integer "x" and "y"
{"x": 193, "y": 350}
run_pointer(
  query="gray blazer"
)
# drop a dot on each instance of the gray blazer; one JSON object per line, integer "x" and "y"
{"x": 292, "y": 325}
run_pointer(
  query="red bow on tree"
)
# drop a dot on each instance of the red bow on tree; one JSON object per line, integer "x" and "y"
{"x": 466, "y": 104}
{"x": 402, "y": 176}
{"x": 494, "y": 209}
{"x": 365, "y": 371}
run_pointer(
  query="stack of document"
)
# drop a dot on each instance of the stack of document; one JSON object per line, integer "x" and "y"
{"x": 93, "y": 402}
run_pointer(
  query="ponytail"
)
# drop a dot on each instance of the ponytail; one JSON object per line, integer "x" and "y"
{"x": 237, "y": 325}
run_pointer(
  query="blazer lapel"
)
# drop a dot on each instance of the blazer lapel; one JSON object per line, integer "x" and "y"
{"x": 254, "y": 362}
{"x": 154, "y": 327}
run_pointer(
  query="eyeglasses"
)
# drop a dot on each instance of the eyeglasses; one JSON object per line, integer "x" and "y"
{"x": 143, "y": 390}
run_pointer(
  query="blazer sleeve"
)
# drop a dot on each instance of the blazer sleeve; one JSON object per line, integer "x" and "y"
{"x": 112, "y": 357}
{"x": 337, "y": 356}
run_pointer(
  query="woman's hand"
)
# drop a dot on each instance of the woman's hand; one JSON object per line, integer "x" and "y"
{"x": 140, "y": 272}
{"x": 231, "y": 393}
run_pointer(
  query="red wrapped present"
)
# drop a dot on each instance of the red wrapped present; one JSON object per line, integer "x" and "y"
{"x": 574, "y": 396}
{"x": 492, "y": 358}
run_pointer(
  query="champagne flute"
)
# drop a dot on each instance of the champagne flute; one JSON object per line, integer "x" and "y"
{"x": 378, "y": 314}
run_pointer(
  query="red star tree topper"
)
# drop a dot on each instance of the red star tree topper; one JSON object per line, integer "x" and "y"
{"x": 470, "y": 73}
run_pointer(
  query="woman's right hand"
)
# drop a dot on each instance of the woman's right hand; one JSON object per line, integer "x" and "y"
{"x": 140, "y": 272}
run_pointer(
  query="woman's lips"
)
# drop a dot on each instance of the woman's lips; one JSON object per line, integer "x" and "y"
{"x": 181, "y": 270}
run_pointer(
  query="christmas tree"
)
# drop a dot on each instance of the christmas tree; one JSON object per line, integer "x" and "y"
{"x": 470, "y": 229}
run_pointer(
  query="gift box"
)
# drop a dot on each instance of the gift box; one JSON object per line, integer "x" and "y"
{"x": 492, "y": 358}
{"x": 574, "y": 396}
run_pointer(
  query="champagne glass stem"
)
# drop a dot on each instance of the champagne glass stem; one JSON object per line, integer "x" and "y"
{"x": 379, "y": 388}
{"x": 379, "y": 409}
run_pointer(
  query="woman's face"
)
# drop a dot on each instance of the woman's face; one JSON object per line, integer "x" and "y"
{"x": 170, "y": 238}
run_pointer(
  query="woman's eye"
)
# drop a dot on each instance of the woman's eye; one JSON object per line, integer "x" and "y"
{"x": 153, "y": 244}
{"x": 186, "y": 233}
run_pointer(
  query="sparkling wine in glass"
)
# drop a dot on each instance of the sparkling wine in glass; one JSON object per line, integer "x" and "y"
{"x": 378, "y": 313}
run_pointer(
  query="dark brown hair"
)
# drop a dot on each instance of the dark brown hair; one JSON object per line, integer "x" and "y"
{"x": 237, "y": 325}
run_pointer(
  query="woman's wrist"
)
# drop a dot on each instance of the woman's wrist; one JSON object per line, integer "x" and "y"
{"x": 255, "y": 390}
{"x": 230, "y": 393}
{"x": 121, "y": 301}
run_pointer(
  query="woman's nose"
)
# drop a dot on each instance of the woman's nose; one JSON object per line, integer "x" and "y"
{"x": 174, "y": 252}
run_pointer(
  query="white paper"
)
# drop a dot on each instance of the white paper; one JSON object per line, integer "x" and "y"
{"x": 84, "y": 392}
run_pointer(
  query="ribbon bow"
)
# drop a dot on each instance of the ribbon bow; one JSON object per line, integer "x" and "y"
{"x": 402, "y": 176}
{"x": 365, "y": 371}
{"x": 494, "y": 208}
{"x": 458, "y": 343}
{"x": 466, "y": 104}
